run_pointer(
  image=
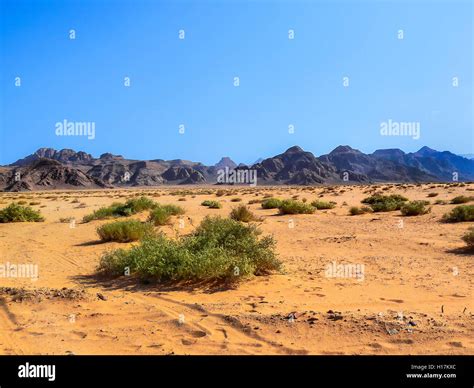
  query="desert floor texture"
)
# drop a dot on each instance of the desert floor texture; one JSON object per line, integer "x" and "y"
{"x": 415, "y": 297}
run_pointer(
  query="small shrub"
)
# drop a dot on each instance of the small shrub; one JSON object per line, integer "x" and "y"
{"x": 461, "y": 199}
{"x": 18, "y": 213}
{"x": 252, "y": 201}
{"x": 161, "y": 214}
{"x": 211, "y": 204}
{"x": 174, "y": 210}
{"x": 125, "y": 231}
{"x": 236, "y": 200}
{"x": 271, "y": 203}
{"x": 138, "y": 205}
{"x": 415, "y": 208}
{"x": 322, "y": 205}
{"x": 460, "y": 213}
{"x": 468, "y": 238}
{"x": 291, "y": 206}
{"x": 132, "y": 206}
{"x": 355, "y": 211}
{"x": 440, "y": 202}
{"x": 242, "y": 213}
{"x": 385, "y": 203}
{"x": 215, "y": 205}
{"x": 431, "y": 195}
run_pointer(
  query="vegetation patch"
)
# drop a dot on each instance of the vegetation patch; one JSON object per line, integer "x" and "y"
{"x": 271, "y": 203}
{"x": 125, "y": 231}
{"x": 290, "y": 206}
{"x": 355, "y": 210}
{"x": 242, "y": 213}
{"x": 219, "y": 249}
{"x": 415, "y": 208}
{"x": 468, "y": 238}
{"x": 132, "y": 206}
{"x": 322, "y": 205}
{"x": 461, "y": 199}
{"x": 161, "y": 214}
{"x": 461, "y": 213}
{"x": 385, "y": 203}
{"x": 211, "y": 204}
{"x": 19, "y": 213}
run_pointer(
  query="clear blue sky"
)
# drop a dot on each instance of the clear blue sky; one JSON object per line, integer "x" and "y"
{"x": 190, "y": 81}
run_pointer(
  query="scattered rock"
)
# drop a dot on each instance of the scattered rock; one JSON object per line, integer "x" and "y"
{"x": 37, "y": 295}
{"x": 101, "y": 297}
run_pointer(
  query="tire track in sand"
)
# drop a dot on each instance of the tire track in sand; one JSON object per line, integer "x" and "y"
{"x": 217, "y": 330}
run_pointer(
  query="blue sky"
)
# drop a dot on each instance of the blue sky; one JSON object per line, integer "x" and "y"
{"x": 283, "y": 81}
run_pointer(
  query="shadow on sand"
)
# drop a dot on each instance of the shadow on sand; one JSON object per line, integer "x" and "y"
{"x": 133, "y": 283}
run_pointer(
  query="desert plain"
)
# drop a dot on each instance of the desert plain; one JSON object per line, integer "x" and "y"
{"x": 415, "y": 297}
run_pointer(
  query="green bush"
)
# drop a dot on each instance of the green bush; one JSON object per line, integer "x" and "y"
{"x": 415, "y": 208}
{"x": 174, "y": 210}
{"x": 219, "y": 249}
{"x": 461, "y": 199}
{"x": 290, "y": 206}
{"x": 132, "y": 206}
{"x": 460, "y": 213}
{"x": 215, "y": 205}
{"x": 468, "y": 238}
{"x": 271, "y": 203}
{"x": 18, "y": 213}
{"x": 355, "y": 211}
{"x": 385, "y": 203}
{"x": 161, "y": 214}
{"x": 125, "y": 231}
{"x": 242, "y": 213}
{"x": 322, "y": 205}
{"x": 211, "y": 204}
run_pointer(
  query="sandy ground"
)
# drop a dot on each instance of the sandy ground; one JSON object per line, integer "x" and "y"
{"x": 415, "y": 297}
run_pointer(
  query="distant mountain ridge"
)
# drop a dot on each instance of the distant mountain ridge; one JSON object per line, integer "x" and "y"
{"x": 50, "y": 168}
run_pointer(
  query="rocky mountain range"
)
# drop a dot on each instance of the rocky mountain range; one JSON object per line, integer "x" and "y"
{"x": 52, "y": 169}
